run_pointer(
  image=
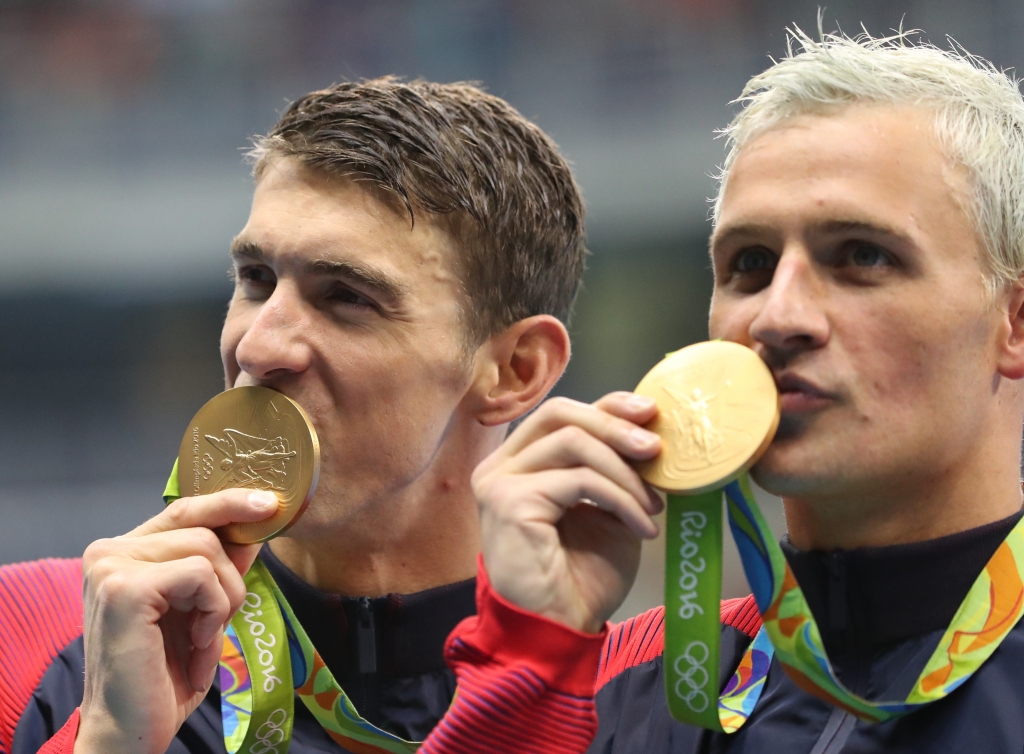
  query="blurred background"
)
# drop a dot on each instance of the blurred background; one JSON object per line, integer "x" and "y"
{"x": 122, "y": 183}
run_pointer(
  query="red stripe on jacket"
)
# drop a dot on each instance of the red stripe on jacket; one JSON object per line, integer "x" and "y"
{"x": 641, "y": 639}
{"x": 40, "y": 614}
{"x": 525, "y": 683}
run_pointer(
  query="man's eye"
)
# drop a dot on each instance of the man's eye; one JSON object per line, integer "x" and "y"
{"x": 757, "y": 259}
{"x": 869, "y": 255}
{"x": 254, "y": 275}
{"x": 346, "y": 295}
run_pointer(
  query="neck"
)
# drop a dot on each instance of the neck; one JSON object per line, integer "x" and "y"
{"x": 393, "y": 553}
{"x": 982, "y": 491}
{"x": 402, "y": 565}
{"x": 426, "y": 535}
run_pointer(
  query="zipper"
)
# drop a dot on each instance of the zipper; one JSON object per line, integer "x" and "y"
{"x": 840, "y": 723}
{"x": 836, "y": 733}
{"x": 838, "y": 617}
{"x": 366, "y": 637}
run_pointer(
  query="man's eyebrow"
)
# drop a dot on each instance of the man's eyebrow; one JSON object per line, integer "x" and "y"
{"x": 870, "y": 227}
{"x": 247, "y": 250}
{"x": 874, "y": 228}
{"x": 368, "y": 277}
{"x": 743, "y": 230}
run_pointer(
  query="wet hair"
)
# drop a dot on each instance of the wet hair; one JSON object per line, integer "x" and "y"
{"x": 467, "y": 159}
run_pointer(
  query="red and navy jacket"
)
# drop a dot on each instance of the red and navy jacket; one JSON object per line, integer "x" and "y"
{"x": 516, "y": 692}
{"x": 881, "y": 613}
{"x": 527, "y": 684}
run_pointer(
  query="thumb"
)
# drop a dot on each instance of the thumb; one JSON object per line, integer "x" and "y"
{"x": 242, "y": 556}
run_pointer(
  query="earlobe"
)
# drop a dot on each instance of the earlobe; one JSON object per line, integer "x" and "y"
{"x": 1011, "y": 362}
{"x": 521, "y": 366}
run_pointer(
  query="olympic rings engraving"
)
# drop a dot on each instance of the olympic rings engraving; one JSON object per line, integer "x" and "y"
{"x": 270, "y": 735}
{"x": 695, "y": 676}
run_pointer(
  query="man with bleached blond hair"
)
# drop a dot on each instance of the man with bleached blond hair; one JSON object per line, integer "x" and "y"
{"x": 868, "y": 245}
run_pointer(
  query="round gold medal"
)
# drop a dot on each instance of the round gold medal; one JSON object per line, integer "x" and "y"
{"x": 256, "y": 438}
{"x": 718, "y": 409}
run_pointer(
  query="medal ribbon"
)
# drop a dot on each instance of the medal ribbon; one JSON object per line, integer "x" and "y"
{"x": 267, "y": 658}
{"x": 992, "y": 607}
{"x": 693, "y": 585}
{"x": 261, "y": 721}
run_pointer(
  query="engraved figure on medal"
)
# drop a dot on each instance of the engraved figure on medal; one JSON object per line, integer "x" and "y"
{"x": 255, "y": 461}
{"x": 251, "y": 461}
{"x": 694, "y": 413}
{"x": 718, "y": 410}
{"x": 254, "y": 438}
{"x": 703, "y": 427}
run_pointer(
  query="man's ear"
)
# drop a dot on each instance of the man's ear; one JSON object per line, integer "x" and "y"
{"x": 517, "y": 367}
{"x": 1010, "y": 361}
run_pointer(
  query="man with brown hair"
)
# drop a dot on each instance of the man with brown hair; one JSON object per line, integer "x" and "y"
{"x": 411, "y": 256}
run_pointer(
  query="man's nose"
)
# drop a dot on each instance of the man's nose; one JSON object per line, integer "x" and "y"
{"x": 276, "y": 342}
{"x": 792, "y": 318}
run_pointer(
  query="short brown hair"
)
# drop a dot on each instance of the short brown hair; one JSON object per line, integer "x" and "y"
{"x": 452, "y": 150}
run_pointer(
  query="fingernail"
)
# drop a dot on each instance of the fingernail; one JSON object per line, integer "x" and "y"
{"x": 643, "y": 438}
{"x": 262, "y": 500}
{"x": 640, "y": 402}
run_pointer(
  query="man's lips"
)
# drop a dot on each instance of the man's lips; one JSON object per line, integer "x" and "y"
{"x": 799, "y": 395}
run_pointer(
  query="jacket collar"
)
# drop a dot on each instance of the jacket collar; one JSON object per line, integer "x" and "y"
{"x": 865, "y": 599}
{"x": 396, "y": 636}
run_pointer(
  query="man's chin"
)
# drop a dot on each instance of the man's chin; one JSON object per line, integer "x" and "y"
{"x": 792, "y": 428}
{"x": 788, "y": 470}
{"x": 781, "y": 485}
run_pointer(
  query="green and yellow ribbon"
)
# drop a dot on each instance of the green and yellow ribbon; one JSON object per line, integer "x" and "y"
{"x": 267, "y": 659}
{"x": 992, "y": 607}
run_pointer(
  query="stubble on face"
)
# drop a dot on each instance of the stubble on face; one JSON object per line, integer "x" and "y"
{"x": 873, "y": 314}
{"x": 355, "y": 313}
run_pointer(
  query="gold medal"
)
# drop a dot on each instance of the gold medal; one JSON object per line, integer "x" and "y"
{"x": 256, "y": 438}
{"x": 718, "y": 409}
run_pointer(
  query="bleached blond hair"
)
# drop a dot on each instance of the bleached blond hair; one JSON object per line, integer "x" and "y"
{"x": 978, "y": 112}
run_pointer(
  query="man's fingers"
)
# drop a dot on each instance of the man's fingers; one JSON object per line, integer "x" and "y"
{"x": 625, "y": 436}
{"x": 129, "y": 589}
{"x": 177, "y": 545}
{"x": 203, "y": 664}
{"x": 568, "y": 487}
{"x": 635, "y": 408}
{"x": 243, "y": 556}
{"x": 194, "y": 589}
{"x": 211, "y": 511}
{"x": 573, "y": 446}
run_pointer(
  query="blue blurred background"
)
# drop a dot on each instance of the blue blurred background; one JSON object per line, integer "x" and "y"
{"x": 122, "y": 183}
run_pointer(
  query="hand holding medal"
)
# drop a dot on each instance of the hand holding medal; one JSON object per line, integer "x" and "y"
{"x": 164, "y": 591}
{"x": 256, "y": 438}
{"x": 718, "y": 412}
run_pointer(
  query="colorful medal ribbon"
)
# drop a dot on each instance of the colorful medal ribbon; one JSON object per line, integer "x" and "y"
{"x": 992, "y": 607}
{"x": 260, "y": 722}
{"x": 267, "y": 658}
